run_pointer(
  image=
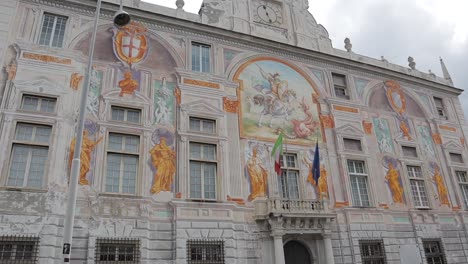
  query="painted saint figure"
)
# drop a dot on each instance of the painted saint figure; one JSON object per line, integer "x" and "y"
{"x": 258, "y": 176}
{"x": 128, "y": 85}
{"x": 163, "y": 159}
{"x": 393, "y": 179}
{"x": 442, "y": 190}
{"x": 322, "y": 185}
{"x": 87, "y": 148}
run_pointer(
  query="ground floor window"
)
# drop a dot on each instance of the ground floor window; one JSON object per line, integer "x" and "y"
{"x": 372, "y": 252}
{"x": 205, "y": 252}
{"x": 16, "y": 249}
{"x": 434, "y": 252}
{"x": 117, "y": 251}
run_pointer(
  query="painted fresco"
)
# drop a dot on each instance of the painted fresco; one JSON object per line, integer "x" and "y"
{"x": 384, "y": 138}
{"x": 256, "y": 164}
{"x": 164, "y": 102}
{"x": 277, "y": 98}
{"x": 162, "y": 162}
{"x": 360, "y": 85}
{"x": 393, "y": 180}
{"x": 426, "y": 141}
{"x": 95, "y": 88}
{"x": 320, "y": 187}
{"x": 397, "y": 101}
{"x": 439, "y": 184}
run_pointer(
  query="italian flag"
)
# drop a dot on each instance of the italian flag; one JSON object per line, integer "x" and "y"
{"x": 277, "y": 152}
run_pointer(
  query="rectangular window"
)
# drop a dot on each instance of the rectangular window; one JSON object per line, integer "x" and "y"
{"x": 203, "y": 171}
{"x": 15, "y": 249}
{"x": 352, "y": 144}
{"x": 202, "y": 125}
{"x": 434, "y": 252}
{"x": 339, "y": 83}
{"x": 29, "y": 155}
{"x": 439, "y": 103}
{"x": 409, "y": 151}
{"x": 372, "y": 252}
{"x": 358, "y": 177}
{"x": 35, "y": 103}
{"x": 126, "y": 114}
{"x": 456, "y": 157}
{"x": 122, "y": 163}
{"x": 463, "y": 181}
{"x": 53, "y": 30}
{"x": 117, "y": 251}
{"x": 418, "y": 188}
{"x": 201, "y": 57}
{"x": 289, "y": 179}
{"x": 205, "y": 252}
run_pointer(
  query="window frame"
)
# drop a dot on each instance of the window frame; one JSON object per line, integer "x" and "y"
{"x": 440, "y": 246}
{"x": 284, "y": 171}
{"x": 201, "y": 119}
{"x": 463, "y": 185}
{"x": 100, "y": 242}
{"x": 372, "y": 242}
{"x": 210, "y": 59}
{"x": 412, "y": 147}
{"x": 41, "y": 25}
{"x": 204, "y": 245}
{"x": 353, "y": 139}
{"x": 365, "y": 175}
{"x": 450, "y": 153}
{"x": 441, "y": 111}
{"x": 41, "y": 97}
{"x": 33, "y": 144}
{"x": 346, "y": 89}
{"x": 122, "y": 153}
{"x": 126, "y": 110}
{"x": 418, "y": 203}
{"x": 202, "y": 175}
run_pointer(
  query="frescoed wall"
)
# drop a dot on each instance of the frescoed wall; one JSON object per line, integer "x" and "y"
{"x": 384, "y": 138}
{"x": 277, "y": 98}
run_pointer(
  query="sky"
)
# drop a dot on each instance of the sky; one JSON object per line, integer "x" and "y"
{"x": 395, "y": 29}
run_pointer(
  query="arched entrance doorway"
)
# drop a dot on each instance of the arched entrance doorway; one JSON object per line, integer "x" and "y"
{"x": 296, "y": 253}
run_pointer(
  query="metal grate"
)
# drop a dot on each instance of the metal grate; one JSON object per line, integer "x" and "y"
{"x": 372, "y": 252}
{"x": 434, "y": 251}
{"x": 116, "y": 250}
{"x": 19, "y": 249}
{"x": 205, "y": 252}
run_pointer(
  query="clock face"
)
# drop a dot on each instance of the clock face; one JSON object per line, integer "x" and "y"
{"x": 268, "y": 13}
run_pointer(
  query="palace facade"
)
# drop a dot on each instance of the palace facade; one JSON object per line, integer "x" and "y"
{"x": 182, "y": 114}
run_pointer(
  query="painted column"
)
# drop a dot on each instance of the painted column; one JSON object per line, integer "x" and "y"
{"x": 279, "y": 250}
{"x": 328, "y": 249}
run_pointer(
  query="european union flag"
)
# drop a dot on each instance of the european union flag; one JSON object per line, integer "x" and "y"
{"x": 316, "y": 164}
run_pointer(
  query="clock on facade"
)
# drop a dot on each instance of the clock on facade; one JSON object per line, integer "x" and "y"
{"x": 268, "y": 12}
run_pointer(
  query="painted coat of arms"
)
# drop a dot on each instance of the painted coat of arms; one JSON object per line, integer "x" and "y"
{"x": 131, "y": 43}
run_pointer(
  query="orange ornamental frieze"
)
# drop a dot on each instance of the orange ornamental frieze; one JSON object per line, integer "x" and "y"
{"x": 462, "y": 141}
{"x": 46, "y": 58}
{"x": 448, "y": 128}
{"x": 327, "y": 121}
{"x": 341, "y": 204}
{"x": 75, "y": 81}
{"x": 202, "y": 83}
{"x": 367, "y": 127}
{"x": 437, "y": 139}
{"x": 346, "y": 109}
{"x": 395, "y": 96}
{"x": 131, "y": 43}
{"x": 231, "y": 106}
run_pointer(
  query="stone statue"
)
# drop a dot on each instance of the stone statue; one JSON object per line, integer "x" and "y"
{"x": 411, "y": 64}
{"x": 393, "y": 179}
{"x": 180, "y": 4}
{"x": 128, "y": 85}
{"x": 432, "y": 74}
{"x": 382, "y": 58}
{"x": 348, "y": 46}
{"x": 163, "y": 159}
{"x": 442, "y": 190}
{"x": 258, "y": 176}
{"x": 87, "y": 148}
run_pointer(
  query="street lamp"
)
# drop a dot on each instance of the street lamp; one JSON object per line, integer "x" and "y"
{"x": 121, "y": 18}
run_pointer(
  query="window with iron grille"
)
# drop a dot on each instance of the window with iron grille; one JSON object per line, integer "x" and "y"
{"x": 418, "y": 187}
{"x": 205, "y": 252}
{"x": 434, "y": 252}
{"x": 117, "y": 251}
{"x": 203, "y": 171}
{"x": 359, "y": 185}
{"x": 463, "y": 181}
{"x": 17, "y": 249}
{"x": 36, "y": 103}
{"x": 53, "y": 30}
{"x": 29, "y": 155}
{"x": 339, "y": 84}
{"x": 123, "y": 114}
{"x": 372, "y": 252}
{"x": 288, "y": 181}
{"x": 201, "y": 57}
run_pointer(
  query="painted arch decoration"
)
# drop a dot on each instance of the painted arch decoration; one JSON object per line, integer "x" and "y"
{"x": 278, "y": 97}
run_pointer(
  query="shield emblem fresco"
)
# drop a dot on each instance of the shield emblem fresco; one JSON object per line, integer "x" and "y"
{"x": 131, "y": 43}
